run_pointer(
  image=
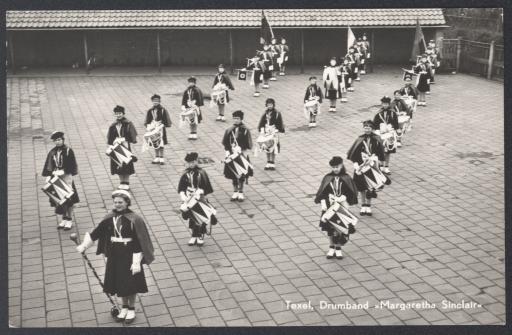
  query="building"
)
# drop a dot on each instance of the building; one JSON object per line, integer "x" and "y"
{"x": 208, "y": 37}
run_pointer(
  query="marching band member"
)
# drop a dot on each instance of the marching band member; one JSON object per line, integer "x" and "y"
{"x": 275, "y": 52}
{"x": 61, "y": 162}
{"x": 346, "y": 79}
{"x": 366, "y": 45}
{"x": 422, "y": 83}
{"x": 194, "y": 180}
{"x": 313, "y": 92}
{"x": 358, "y": 55}
{"x": 266, "y": 58}
{"x": 193, "y": 97}
{"x": 353, "y": 66}
{"x": 398, "y": 105}
{"x": 336, "y": 186}
{"x": 366, "y": 145}
{"x": 122, "y": 131}
{"x": 237, "y": 137}
{"x": 222, "y": 78}
{"x": 124, "y": 240}
{"x": 284, "y": 49}
{"x": 331, "y": 83}
{"x": 257, "y": 75}
{"x": 386, "y": 116}
{"x": 432, "y": 60}
{"x": 271, "y": 118}
{"x": 158, "y": 114}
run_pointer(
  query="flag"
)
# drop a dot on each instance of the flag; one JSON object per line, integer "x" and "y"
{"x": 419, "y": 42}
{"x": 266, "y": 30}
{"x": 351, "y": 38}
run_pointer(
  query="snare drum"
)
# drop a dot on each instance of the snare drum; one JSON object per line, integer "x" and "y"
{"x": 341, "y": 219}
{"x": 374, "y": 178}
{"x": 238, "y": 165}
{"x": 267, "y": 142}
{"x": 190, "y": 116}
{"x": 311, "y": 107}
{"x": 153, "y": 138}
{"x": 201, "y": 210}
{"x": 119, "y": 154}
{"x": 58, "y": 191}
{"x": 389, "y": 140}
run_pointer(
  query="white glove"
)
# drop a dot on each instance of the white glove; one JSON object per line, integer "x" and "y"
{"x": 200, "y": 191}
{"x": 342, "y": 198}
{"x": 119, "y": 140}
{"x": 184, "y": 207}
{"x": 58, "y": 173}
{"x": 86, "y": 243}
{"x": 227, "y": 154}
{"x": 136, "y": 260}
{"x": 183, "y": 108}
{"x": 48, "y": 179}
{"x": 323, "y": 204}
{"x": 262, "y": 131}
{"x": 108, "y": 151}
{"x": 183, "y": 196}
{"x": 148, "y": 127}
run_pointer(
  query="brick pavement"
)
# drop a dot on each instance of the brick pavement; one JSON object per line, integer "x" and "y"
{"x": 437, "y": 232}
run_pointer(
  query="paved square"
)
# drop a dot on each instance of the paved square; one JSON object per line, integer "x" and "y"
{"x": 437, "y": 232}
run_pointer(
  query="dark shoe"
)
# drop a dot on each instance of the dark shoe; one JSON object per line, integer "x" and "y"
{"x": 388, "y": 181}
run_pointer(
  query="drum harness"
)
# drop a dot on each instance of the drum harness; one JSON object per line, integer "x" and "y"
{"x": 118, "y": 238}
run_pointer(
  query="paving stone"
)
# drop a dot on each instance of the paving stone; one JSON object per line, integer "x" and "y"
{"x": 250, "y": 268}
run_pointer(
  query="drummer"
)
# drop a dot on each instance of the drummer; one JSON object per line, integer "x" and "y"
{"x": 313, "y": 93}
{"x": 336, "y": 186}
{"x": 61, "y": 162}
{"x": 193, "y": 97}
{"x": 222, "y": 78}
{"x": 366, "y": 145}
{"x": 237, "y": 137}
{"x": 399, "y": 106}
{"x": 271, "y": 119}
{"x": 156, "y": 114}
{"x": 194, "y": 180}
{"x": 122, "y": 131}
{"x": 386, "y": 116}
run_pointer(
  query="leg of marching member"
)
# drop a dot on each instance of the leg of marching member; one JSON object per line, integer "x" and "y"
{"x": 337, "y": 246}
{"x": 267, "y": 166}
{"x": 221, "y": 112}
{"x": 332, "y": 105}
{"x": 257, "y": 90}
{"x": 124, "y": 310}
{"x": 68, "y": 212}
{"x": 130, "y": 315}
{"x": 234, "y": 197}
{"x": 124, "y": 180}
{"x": 272, "y": 160}
{"x": 363, "y": 203}
{"x": 193, "y": 131}
{"x": 162, "y": 160}
{"x": 387, "y": 156}
{"x": 157, "y": 157}
{"x": 330, "y": 253}
{"x": 241, "y": 196}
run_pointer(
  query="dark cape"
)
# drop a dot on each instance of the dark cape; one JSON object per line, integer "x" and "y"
{"x": 68, "y": 162}
{"x": 244, "y": 138}
{"x": 128, "y": 131}
{"x": 354, "y": 153}
{"x": 142, "y": 235}
{"x": 276, "y": 119}
{"x": 346, "y": 179}
{"x": 203, "y": 181}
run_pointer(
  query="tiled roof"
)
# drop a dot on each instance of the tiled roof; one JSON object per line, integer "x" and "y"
{"x": 75, "y": 19}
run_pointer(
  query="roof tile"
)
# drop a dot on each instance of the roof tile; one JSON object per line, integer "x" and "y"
{"x": 224, "y": 18}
